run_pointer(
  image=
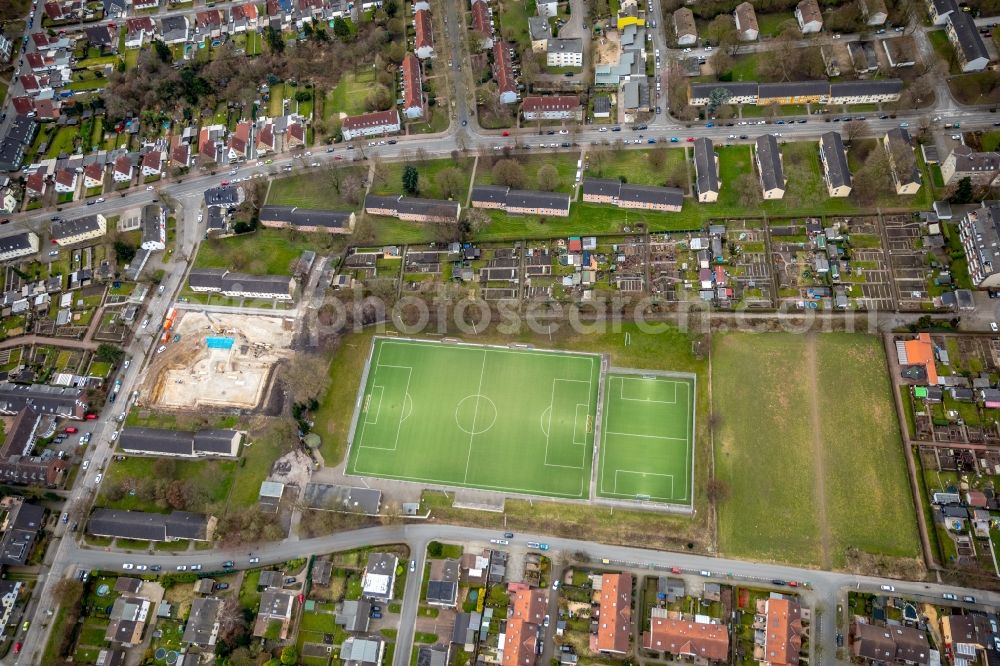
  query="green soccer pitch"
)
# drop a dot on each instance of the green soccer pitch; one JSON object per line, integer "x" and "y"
{"x": 647, "y": 438}
{"x": 509, "y": 420}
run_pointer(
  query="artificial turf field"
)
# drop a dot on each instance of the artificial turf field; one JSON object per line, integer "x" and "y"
{"x": 646, "y": 438}
{"x": 510, "y": 420}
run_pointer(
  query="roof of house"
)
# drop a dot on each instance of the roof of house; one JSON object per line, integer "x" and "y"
{"x": 298, "y": 216}
{"x": 222, "y": 196}
{"x": 667, "y": 196}
{"x": 615, "y": 623}
{"x": 442, "y": 586}
{"x": 809, "y": 11}
{"x": 247, "y": 11}
{"x": 374, "y": 119}
{"x": 65, "y": 177}
{"x": 565, "y": 45}
{"x": 685, "y": 637}
{"x": 361, "y": 650}
{"x": 227, "y": 281}
{"x": 481, "y": 19}
{"x": 602, "y": 187}
{"x": 768, "y": 153}
{"x": 734, "y": 88}
{"x": 705, "y": 165}
{"x": 920, "y": 351}
{"x": 967, "y": 159}
{"x": 875, "y": 643}
{"x": 868, "y": 87}
{"x": 101, "y": 35}
{"x": 542, "y": 103}
{"x": 123, "y": 165}
{"x": 684, "y": 23}
{"x": 202, "y": 627}
{"x": 746, "y": 16}
{"x": 900, "y": 143}
{"x": 422, "y": 28}
{"x": 490, "y": 194}
{"x": 413, "y": 93}
{"x": 967, "y": 36}
{"x": 530, "y": 605}
{"x": 69, "y": 228}
{"x": 535, "y": 199}
{"x": 837, "y": 169}
{"x": 432, "y": 655}
{"x": 148, "y": 526}
{"x": 538, "y": 27}
{"x": 520, "y": 641}
{"x": 793, "y": 89}
{"x": 783, "y": 633}
{"x": 503, "y": 71}
{"x": 353, "y": 614}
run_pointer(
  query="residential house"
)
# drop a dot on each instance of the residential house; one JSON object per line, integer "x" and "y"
{"x": 808, "y": 16}
{"x": 880, "y": 91}
{"x": 180, "y": 154}
{"x": 902, "y": 161}
{"x": 377, "y": 123}
{"x": 180, "y": 443}
{"x": 423, "y": 42}
{"x": 521, "y": 202}
{"x": 66, "y": 181}
{"x": 6, "y": 46}
{"x": 210, "y": 23}
{"x": 413, "y": 208}
{"x": 16, "y": 465}
{"x": 699, "y": 94}
{"x": 202, "y": 628}
{"x": 546, "y": 8}
{"x": 127, "y": 620}
{"x": 138, "y": 30}
{"x": 782, "y": 643}
{"x": 540, "y": 33}
{"x": 564, "y": 52}
{"x": 154, "y": 228}
{"x": 362, "y": 651}
{"x": 482, "y": 25}
{"x": 274, "y": 618}
{"x": 625, "y": 195}
{"x": 746, "y": 22}
{"x": 353, "y": 615}
{"x": 792, "y": 92}
{"x": 20, "y": 526}
{"x": 142, "y": 526}
{"x": 974, "y": 636}
{"x": 969, "y": 46}
{"x": 982, "y": 168}
{"x": 35, "y": 185}
{"x": 239, "y": 145}
{"x": 836, "y": 171}
{"x": 10, "y": 591}
{"x": 307, "y": 219}
{"x": 863, "y": 57}
{"x": 93, "y": 175}
{"x": 767, "y": 157}
{"x": 413, "y": 95}
{"x": 379, "y": 576}
{"x": 614, "y": 621}
{"x": 174, "y": 29}
{"x": 979, "y": 232}
{"x": 152, "y": 164}
{"x": 698, "y": 639}
{"x": 243, "y": 18}
{"x": 503, "y": 73}
{"x": 70, "y": 232}
{"x": 433, "y": 655}
{"x": 442, "y": 584}
{"x": 527, "y": 614}
{"x": 685, "y": 27}
{"x": 940, "y": 10}
{"x": 900, "y": 52}
{"x": 102, "y": 37}
{"x": 122, "y": 172}
{"x": 18, "y": 245}
{"x": 874, "y": 12}
{"x": 890, "y": 644}
{"x": 706, "y": 167}
{"x": 8, "y": 199}
{"x": 242, "y": 285}
{"x": 552, "y": 107}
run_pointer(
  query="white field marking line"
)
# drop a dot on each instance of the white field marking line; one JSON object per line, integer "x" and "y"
{"x": 495, "y": 350}
{"x": 541, "y": 420}
{"x": 457, "y": 484}
{"x": 475, "y": 415}
{"x": 552, "y": 399}
{"x": 669, "y": 497}
{"x": 407, "y": 400}
{"x": 632, "y": 434}
{"x": 399, "y": 425}
{"x": 621, "y": 391}
{"x": 378, "y": 407}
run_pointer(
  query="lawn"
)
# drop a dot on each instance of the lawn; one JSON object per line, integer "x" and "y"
{"x": 349, "y": 95}
{"x": 943, "y": 49}
{"x": 771, "y": 24}
{"x": 315, "y": 188}
{"x": 211, "y": 479}
{"x": 264, "y": 252}
{"x": 565, "y": 164}
{"x": 62, "y": 142}
{"x": 509, "y": 420}
{"x": 646, "y": 438}
{"x": 637, "y": 166}
{"x": 428, "y": 171}
{"x": 825, "y": 434}
{"x": 276, "y": 100}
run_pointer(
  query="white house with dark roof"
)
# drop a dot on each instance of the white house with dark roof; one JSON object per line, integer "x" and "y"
{"x": 79, "y": 230}
{"x": 379, "y": 578}
{"x": 770, "y": 172}
{"x": 706, "y": 167}
{"x": 179, "y": 443}
{"x": 969, "y": 45}
{"x": 836, "y": 172}
{"x": 242, "y": 285}
{"x": 370, "y": 124}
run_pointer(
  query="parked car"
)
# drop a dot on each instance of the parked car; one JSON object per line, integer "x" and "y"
{"x": 195, "y": 567}
{"x": 182, "y": 567}
{"x": 254, "y": 560}
{"x": 887, "y": 588}
{"x": 228, "y": 564}
{"x": 969, "y": 600}
{"x": 128, "y": 566}
{"x": 950, "y": 597}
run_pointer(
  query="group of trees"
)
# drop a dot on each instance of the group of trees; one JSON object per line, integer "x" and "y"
{"x": 179, "y": 494}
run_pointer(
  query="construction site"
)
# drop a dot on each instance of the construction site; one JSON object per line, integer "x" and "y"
{"x": 217, "y": 360}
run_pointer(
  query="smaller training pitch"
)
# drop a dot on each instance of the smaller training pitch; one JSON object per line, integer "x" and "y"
{"x": 509, "y": 420}
{"x": 647, "y": 438}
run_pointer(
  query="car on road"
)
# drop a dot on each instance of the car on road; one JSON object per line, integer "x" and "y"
{"x": 53, "y": 253}
{"x": 128, "y": 566}
{"x": 555, "y": 585}
{"x": 969, "y": 600}
{"x": 508, "y": 535}
{"x": 155, "y": 567}
{"x": 690, "y": 139}
{"x": 149, "y": 188}
{"x": 950, "y": 597}
{"x": 97, "y": 479}
{"x": 254, "y": 560}
{"x": 413, "y": 566}
{"x": 141, "y": 567}
{"x": 115, "y": 434}
{"x": 182, "y": 567}
{"x": 545, "y": 621}
{"x": 777, "y": 581}
{"x": 161, "y": 349}
{"x": 674, "y": 139}
{"x": 676, "y": 570}
{"x": 706, "y": 574}
{"x": 195, "y": 567}
{"x": 887, "y": 588}
{"x": 994, "y": 327}
{"x": 228, "y": 564}
{"x": 85, "y": 465}
{"x": 500, "y": 542}
{"x": 145, "y": 322}
{"x": 65, "y": 517}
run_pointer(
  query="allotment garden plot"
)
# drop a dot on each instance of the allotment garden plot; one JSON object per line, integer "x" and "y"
{"x": 493, "y": 418}
{"x": 646, "y": 445}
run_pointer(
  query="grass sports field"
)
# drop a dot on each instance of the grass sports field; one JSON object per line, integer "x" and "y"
{"x": 646, "y": 438}
{"x": 510, "y": 420}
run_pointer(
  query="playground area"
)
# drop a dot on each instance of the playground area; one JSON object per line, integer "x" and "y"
{"x": 219, "y": 360}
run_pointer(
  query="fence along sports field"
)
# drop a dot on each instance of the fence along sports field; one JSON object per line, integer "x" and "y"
{"x": 518, "y": 421}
